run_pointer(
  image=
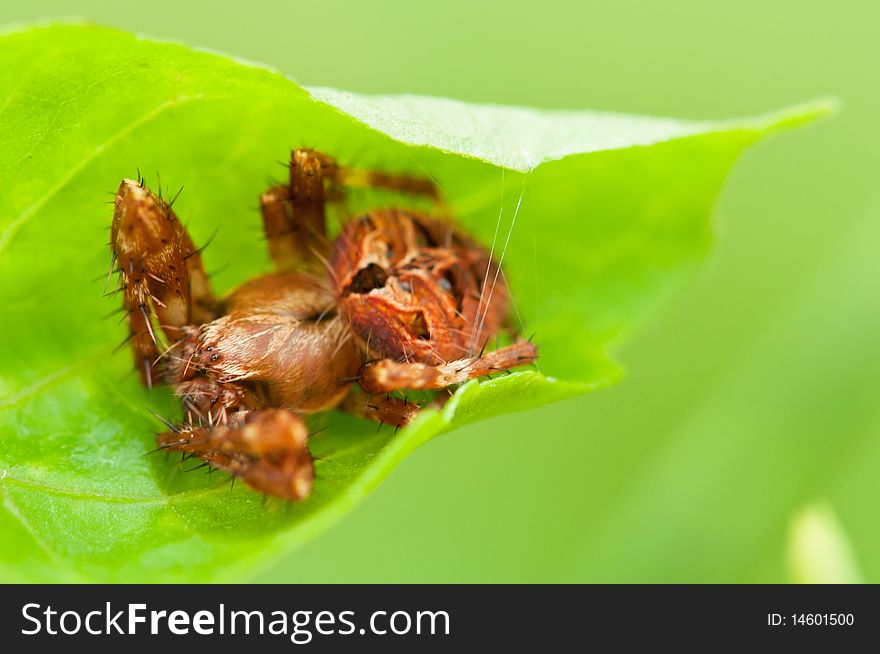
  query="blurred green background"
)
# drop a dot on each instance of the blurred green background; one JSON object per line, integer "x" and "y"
{"x": 753, "y": 396}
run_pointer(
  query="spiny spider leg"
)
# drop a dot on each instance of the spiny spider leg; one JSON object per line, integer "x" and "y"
{"x": 266, "y": 448}
{"x": 294, "y": 216}
{"x": 387, "y": 375}
{"x": 382, "y": 408}
{"x": 362, "y": 178}
{"x": 160, "y": 270}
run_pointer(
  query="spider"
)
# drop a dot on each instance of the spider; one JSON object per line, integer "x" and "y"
{"x": 398, "y": 301}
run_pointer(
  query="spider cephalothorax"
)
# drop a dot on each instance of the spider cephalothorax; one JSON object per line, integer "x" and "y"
{"x": 399, "y": 300}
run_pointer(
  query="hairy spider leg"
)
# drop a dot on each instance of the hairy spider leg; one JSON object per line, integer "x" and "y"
{"x": 294, "y": 215}
{"x": 408, "y": 184}
{"x": 161, "y": 273}
{"x": 265, "y": 448}
{"x": 381, "y": 408}
{"x": 387, "y": 375}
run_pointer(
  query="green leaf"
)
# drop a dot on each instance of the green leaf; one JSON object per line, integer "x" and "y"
{"x": 601, "y": 218}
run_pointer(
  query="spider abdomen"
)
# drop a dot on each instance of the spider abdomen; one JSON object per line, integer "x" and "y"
{"x": 415, "y": 288}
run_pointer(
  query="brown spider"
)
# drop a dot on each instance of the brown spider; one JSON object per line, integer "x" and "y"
{"x": 409, "y": 294}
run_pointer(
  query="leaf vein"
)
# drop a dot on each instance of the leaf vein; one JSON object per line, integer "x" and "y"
{"x": 92, "y": 496}
{"x": 13, "y": 227}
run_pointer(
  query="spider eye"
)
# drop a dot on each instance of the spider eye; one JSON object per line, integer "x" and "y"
{"x": 210, "y": 348}
{"x": 406, "y": 287}
{"x": 214, "y": 357}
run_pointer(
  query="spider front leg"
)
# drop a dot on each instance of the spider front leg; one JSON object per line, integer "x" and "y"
{"x": 387, "y": 375}
{"x": 265, "y": 448}
{"x": 294, "y": 215}
{"x": 160, "y": 272}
